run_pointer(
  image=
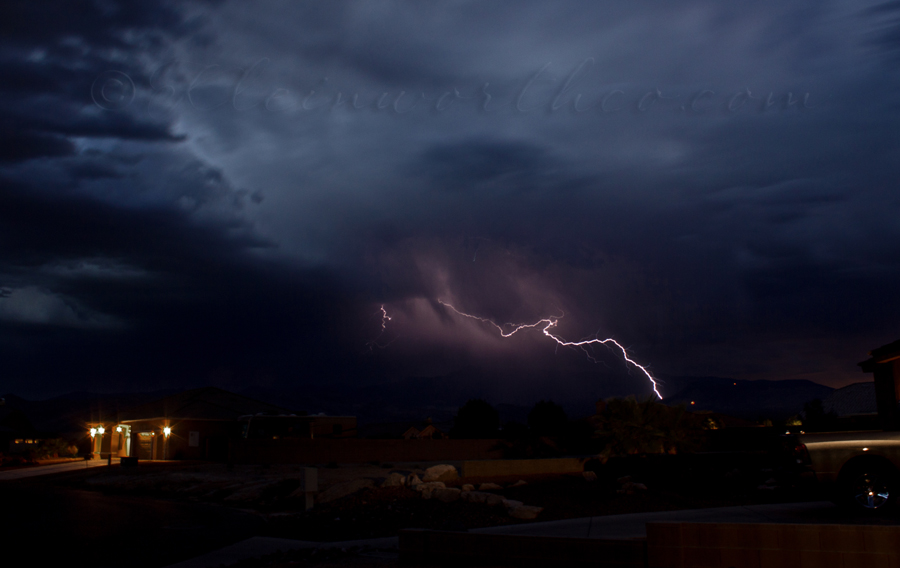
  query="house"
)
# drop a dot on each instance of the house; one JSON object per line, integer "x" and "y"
{"x": 423, "y": 431}
{"x": 194, "y": 424}
{"x": 884, "y": 363}
{"x": 201, "y": 423}
{"x": 17, "y": 434}
{"x": 413, "y": 430}
{"x": 855, "y": 406}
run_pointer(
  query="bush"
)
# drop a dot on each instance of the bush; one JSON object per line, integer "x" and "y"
{"x": 627, "y": 427}
{"x": 52, "y": 448}
{"x": 547, "y": 419}
{"x": 476, "y": 419}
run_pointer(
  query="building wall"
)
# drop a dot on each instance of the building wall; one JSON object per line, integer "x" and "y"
{"x": 189, "y": 439}
{"x": 333, "y": 426}
{"x": 887, "y": 389}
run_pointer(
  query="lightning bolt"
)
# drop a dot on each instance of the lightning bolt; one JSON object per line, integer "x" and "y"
{"x": 510, "y": 329}
{"x": 384, "y": 319}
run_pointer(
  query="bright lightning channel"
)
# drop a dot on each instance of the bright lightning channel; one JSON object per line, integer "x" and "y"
{"x": 551, "y": 322}
{"x": 384, "y": 319}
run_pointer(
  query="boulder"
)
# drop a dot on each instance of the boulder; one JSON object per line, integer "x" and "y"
{"x": 476, "y": 496}
{"x": 427, "y": 489}
{"x": 413, "y": 480}
{"x": 525, "y": 512}
{"x": 441, "y": 473}
{"x": 431, "y": 485}
{"x": 519, "y": 483}
{"x": 394, "y": 480}
{"x": 511, "y": 503}
{"x": 468, "y": 487}
{"x": 494, "y": 499}
{"x": 589, "y": 476}
{"x": 489, "y": 487}
{"x": 446, "y": 494}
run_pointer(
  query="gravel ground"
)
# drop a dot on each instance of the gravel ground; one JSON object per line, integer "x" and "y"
{"x": 363, "y": 509}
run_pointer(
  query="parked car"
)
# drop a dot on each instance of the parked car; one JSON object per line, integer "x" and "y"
{"x": 860, "y": 470}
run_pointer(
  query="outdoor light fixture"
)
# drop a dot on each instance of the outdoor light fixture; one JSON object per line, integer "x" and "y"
{"x": 118, "y": 428}
{"x": 167, "y": 431}
{"x": 101, "y": 430}
{"x": 93, "y": 432}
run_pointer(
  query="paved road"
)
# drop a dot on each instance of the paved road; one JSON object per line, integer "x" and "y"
{"x": 613, "y": 527}
{"x": 34, "y": 471}
{"x": 56, "y": 526}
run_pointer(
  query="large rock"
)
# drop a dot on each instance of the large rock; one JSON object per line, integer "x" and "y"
{"x": 511, "y": 503}
{"x": 440, "y": 473}
{"x": 494, "y": 499}
{"x": 489, "y": 487}
{"x": 526, "y": 512}
{"x": 427, "y": 489}
{"x": 446, "y": 494}
{"x": 413, "y": 481}
{"x": 344, "y": 489}
{"x": 468, "y": 487}
{"x": 589, "y": 476}
{"x": 476, "y": 496}
{"x": 395, "y": 480}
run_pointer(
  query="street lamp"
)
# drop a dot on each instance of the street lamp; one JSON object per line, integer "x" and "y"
{"x": 167, "y": 431}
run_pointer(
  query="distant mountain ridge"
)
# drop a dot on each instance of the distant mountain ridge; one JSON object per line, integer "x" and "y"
{"x": 415, "y": 398}
{"x": 751, "y": 400}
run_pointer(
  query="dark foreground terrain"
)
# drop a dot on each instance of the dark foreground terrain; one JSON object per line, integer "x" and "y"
{"x": 159, "y": 514}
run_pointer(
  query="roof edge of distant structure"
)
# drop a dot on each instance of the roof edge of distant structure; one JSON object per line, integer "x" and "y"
{"x": 880, "y": 355}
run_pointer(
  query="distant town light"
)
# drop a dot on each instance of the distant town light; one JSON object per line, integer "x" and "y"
{"x": 692, "y": 402}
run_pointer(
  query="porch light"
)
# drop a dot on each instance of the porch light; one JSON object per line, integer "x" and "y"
{"x": 93, "y": 432}
{"x": 167, "y": 431}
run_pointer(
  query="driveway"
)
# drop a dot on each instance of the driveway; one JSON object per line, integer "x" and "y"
{"x": 55, "y": 526}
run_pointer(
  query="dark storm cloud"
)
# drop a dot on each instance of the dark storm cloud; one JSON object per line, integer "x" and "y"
{"x": 711, "y": 182}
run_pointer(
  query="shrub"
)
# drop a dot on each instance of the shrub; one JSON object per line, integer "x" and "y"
{"x": 476, "y": 419}
{"x": 627, "y": 427}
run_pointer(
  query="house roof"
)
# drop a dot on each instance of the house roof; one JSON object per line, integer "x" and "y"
{"x": 881, "y": 354}
{"x": 858, "y": 398}
{"x": 208, "y": 403}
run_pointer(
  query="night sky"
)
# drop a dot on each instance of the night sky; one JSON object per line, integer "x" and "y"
{"x": 226, "y": 193}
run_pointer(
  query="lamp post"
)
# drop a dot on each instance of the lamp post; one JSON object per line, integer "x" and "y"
{"x": 93, "y": 432}
{"x": 166, "y": 433}
{"x": 100, "y": 430}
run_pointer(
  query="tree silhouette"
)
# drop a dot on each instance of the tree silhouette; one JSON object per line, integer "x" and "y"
{"x": 547, "y": 419}
{"x": 476, "y": 419}
{"x": 816, "y": 419}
